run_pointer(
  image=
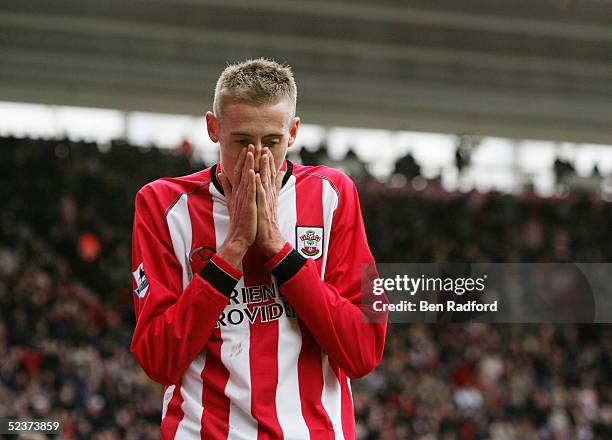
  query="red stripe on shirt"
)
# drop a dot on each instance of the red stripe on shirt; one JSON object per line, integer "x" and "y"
{"x": 309, "y": 202}
{"x": 263, "y": 349}
{"x": 348, "y": 412}
{"x": 174, "y": 415}
{"x": 310, "y": 375}
{"x": 215, "y": 415}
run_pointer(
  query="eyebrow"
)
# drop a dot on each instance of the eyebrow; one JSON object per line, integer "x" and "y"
{"x": 237, "y": 133}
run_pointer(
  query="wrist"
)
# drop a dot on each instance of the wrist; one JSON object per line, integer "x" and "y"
{"x": 233, "y": 251}
{"x": 272, "y": 246}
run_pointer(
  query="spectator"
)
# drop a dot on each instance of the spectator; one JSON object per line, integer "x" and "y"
{"x": 66, "y": 324}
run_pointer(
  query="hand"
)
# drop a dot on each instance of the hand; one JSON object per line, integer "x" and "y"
{"x": 242, "y": 208}
{"x": 268, "y": 184}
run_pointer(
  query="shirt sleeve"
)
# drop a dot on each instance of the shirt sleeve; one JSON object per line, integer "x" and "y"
{"x": 173, "y": 325}
{"x": 332, "y": 309}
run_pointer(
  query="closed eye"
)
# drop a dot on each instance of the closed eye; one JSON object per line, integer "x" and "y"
{"x": 273, "y": 142}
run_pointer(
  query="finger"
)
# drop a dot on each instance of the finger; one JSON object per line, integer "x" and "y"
{"x": 226, "y": 185}
{"x": 257, "y": 180}
{"x": 261, "y": 192}
{"x": 253, "y": 193}
{"x": 257, "y": 152}
{"x": 271, "y": 163}
{"x": 271, "y": 174}
{"x": 264, "y": 170}
{"x": 249, "y": 163}
{"x": 252, "y": 185}
{"x": 279, "y": 181}
{"x": 239, "y": 165}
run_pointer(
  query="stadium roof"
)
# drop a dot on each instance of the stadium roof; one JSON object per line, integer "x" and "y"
{"x": 521, "y": 68}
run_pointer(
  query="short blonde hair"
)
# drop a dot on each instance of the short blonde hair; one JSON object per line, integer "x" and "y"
{"x": 258, "y": 81}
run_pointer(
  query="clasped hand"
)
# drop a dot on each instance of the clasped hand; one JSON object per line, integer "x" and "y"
{"x": 252, "y": 201}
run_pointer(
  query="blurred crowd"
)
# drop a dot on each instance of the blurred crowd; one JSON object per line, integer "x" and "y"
{"x": 66, "y": 311}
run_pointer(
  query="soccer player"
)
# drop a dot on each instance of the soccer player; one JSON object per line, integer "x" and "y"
{"x": 247, "y": 279}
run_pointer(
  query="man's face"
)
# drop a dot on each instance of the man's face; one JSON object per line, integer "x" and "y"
{"x": 242, "y": 123}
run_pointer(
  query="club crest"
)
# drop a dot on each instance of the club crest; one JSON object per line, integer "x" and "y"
{"x": 309, "y": 241}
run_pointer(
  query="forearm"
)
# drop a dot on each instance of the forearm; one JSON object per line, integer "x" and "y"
{"x": 233, "y": 251}
{"x": 166, "y": 343}
{"x": 338, "y": 325}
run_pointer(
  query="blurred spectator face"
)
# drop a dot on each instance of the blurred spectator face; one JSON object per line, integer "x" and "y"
{"x": 242, "y": 123}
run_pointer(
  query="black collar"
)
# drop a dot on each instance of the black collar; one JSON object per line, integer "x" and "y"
{"x": 215, "y": 181}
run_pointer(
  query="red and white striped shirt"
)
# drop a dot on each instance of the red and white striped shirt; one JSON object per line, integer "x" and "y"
{"x": 265, "y": 351}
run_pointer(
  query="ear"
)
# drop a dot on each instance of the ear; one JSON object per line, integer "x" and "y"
{"x": 212, "y": 125}
{"x": 293, "y": 130}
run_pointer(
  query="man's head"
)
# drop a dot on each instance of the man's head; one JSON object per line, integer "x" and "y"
{"x": 255, "y": 103}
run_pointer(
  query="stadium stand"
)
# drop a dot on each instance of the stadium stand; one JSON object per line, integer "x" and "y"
{"x": 66, "y": 314}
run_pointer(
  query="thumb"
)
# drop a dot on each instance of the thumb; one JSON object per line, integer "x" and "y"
{"x": 225, "y": 184}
